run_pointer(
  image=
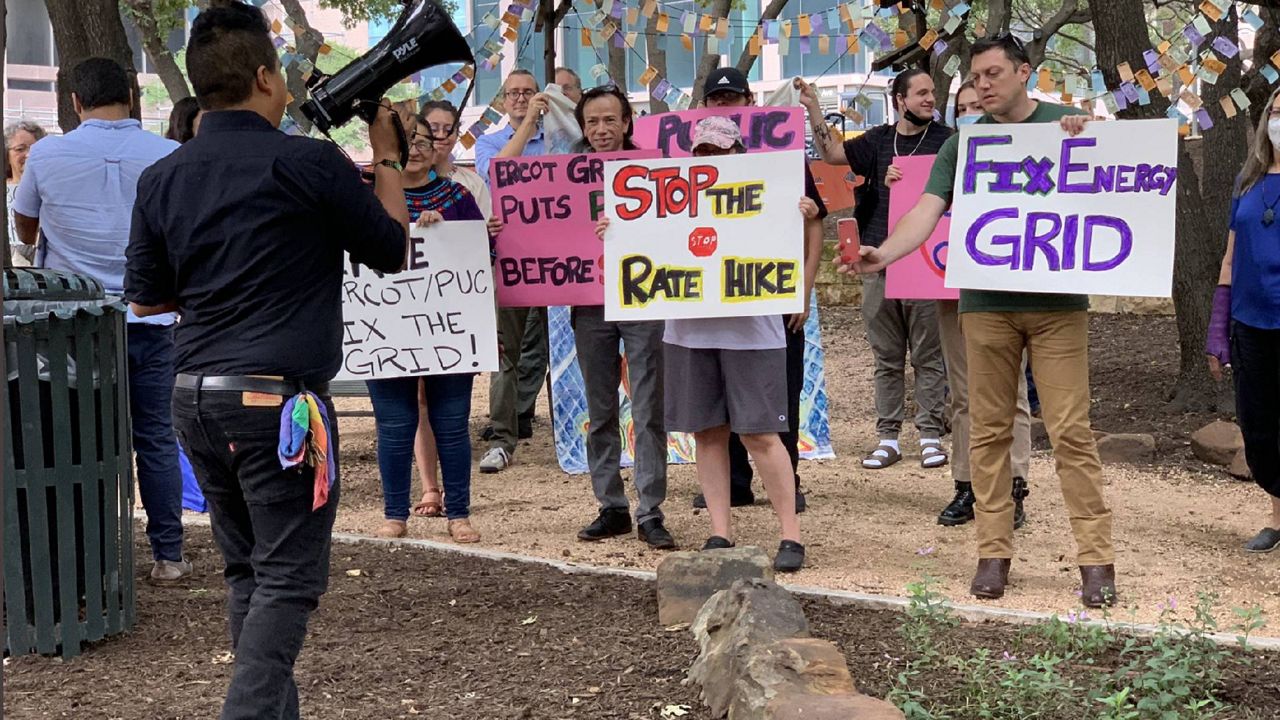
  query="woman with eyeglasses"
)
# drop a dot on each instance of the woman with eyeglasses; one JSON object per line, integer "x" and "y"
{"x": 18, "y": 139}
{"x": 1244, "y": 329}
{"x": 431, "y": 199}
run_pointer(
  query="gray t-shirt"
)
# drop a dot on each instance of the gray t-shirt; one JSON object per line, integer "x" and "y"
{"x": 761, "y": 332}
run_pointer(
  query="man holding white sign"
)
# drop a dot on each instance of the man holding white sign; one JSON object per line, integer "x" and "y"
{"x": 999, "y": 325}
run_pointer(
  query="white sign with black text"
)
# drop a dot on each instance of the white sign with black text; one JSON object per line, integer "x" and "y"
{"x": 435, "y": 318}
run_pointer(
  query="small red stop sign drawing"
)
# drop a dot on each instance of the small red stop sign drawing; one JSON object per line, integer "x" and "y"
{"x": 703, "y": 242}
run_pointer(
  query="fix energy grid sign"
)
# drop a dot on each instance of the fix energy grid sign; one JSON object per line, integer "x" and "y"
{"x": 704, "y": 237}
{"x": 1037, "y": 211}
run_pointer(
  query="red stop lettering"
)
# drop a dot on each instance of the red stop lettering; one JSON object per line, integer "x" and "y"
{"x": 703, "y": 242}
{"x": 640, "y": 188}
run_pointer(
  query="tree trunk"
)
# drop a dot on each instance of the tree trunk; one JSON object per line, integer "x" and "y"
{"x": 549, "y": 18}
{"x": 308, "y": 41}
{"x": 83, "y": 29}
{"x": 1121, "y": 32}
{"x": 999, "y": 15}
{"x": 618, "y": 61}
{"x": 941, "y": 80}
{"x": 709, "y": 62}
{"x": 771, "y": 12}
{"x": 143, "y": 15}
{"x": 657, "y": 54}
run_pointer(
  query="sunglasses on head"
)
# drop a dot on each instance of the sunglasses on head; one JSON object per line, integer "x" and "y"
{"x": 1010, "y": 39}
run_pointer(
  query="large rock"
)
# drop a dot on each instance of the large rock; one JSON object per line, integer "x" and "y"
{"x": 1138, "y": 448}
{"x": 751, "y": 613}
{"x": 686, "y": 580}
{"x": 1217, "y": 443}
{"x": 830, "y": 707}
{"x": 1240, "y": 467}
{"x": 793, "y": 666}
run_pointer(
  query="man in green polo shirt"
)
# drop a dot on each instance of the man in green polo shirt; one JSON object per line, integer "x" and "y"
{"x": 997, "y": 327}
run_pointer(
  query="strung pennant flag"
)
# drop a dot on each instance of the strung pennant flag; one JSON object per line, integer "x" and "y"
{"x": 1214, "y": 65}
{"x": 1202, "y": 117}
{"x": 1120, "y": 100}
{"x": 1190, "y": 98}
{"x": 1099, "y": 82}
{"x": 649, "y": 7}
{"x": 842, "y": 45}
{"x": 689, "y": 20}
{"x": 784, "y": 45}
{"x": 1202, "y": 25}
{"x": 1145, "y": 80}
{"x": 631, "y": 39}
{"x": 1045, "y": 83}
{"x": 1130, "y": 91}
{"x": 713, "y": 45}
{"x": 1252, "y": 18}
{"x": 1164, "y": 86}
{"x": 1211, "y": 10}
{"x": 1207, "y": 75}
{"x": 900, "y": 39}
{"x": 1144, "y": 97}
{"x": 786, "y": 28}
{"x": 940, "y": 47}
{"x": 1152, "y": 61}
{"x": 1228, "y": 106}
{"x": 722, "y": 28}
{"x": 753, "y": 45}
{"x": 805, "y": 27}
{"x": 1126, "y": 72}
{"x": 1225, "y": 46}
{"x": 1270, "y": 74}
{"x": 958, "y": 10}
{"x": 1110, "y": 103}
{"x": 662, "y": 89}
{"x": 1185, "y": 76}
{"x": 952, "y": 24}
{"x": 1194, "y": 36}
{"x": 1241, "y": 99}
{"x": 664, "y": 21}
{"x": 818, "y": 23}
{"x": 824, "y": 45}
{"x": 687, "y": 41}
{"x": 705, "y": 22}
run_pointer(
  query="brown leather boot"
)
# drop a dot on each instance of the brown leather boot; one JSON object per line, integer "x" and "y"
{"x": 1098, "y": 585}
{"x": 991, "y": 577}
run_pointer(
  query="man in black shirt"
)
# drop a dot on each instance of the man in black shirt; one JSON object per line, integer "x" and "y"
{"x": 895, "y": 326}
{"x": 242, "y": 231}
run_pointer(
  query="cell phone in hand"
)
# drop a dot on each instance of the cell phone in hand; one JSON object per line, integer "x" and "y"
{"x": 847, "y": 235}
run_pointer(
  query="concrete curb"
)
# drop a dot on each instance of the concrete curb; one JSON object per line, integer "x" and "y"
{"x": 866, "y": 601}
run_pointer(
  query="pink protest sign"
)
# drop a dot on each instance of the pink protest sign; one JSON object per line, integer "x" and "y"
{"x": 548, "y": 252}
{"x": 763, "y": 128}
{"x": 920, "y": 275}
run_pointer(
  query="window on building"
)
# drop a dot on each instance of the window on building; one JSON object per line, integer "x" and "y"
{"x": 29, "y": 33}
{"x": 808, "y": 62}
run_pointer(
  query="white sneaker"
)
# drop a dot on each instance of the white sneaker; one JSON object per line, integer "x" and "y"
{"x": 496, "y": 460}
{"x": 169, "y": 571}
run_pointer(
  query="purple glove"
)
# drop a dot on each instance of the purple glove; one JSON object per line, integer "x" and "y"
{"x": 1217, "y": 343}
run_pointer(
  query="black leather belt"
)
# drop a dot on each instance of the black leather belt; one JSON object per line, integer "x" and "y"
{"x": 248, "y": 383}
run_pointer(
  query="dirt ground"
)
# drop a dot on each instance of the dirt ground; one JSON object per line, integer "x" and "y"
{"x": 1179, "y": 524}
{"x": 406, "y": 633}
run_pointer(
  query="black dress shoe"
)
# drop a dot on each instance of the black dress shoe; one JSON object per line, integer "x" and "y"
{"x": 990, "y": 579}
{"x": 960, "y": 510}
{"x": 790, "y": 557}
{"x": 700, "y": 500}
{"x": 715, "y": 542}
{"x": 610, "y": 523}
{"x": 652, "y": 532}
{"x": 1020, "y": 491}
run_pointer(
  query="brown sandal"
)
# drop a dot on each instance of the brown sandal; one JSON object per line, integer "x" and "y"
{"x": 392, "y": 529}
{"x": 462, "y": 532}
{"x": 429, "y": 508}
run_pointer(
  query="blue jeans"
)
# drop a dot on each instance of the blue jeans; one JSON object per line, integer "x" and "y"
{"x": 150, "y": 398}
{"x": 395, "y": 410}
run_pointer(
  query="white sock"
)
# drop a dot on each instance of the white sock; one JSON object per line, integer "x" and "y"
{"x": 891, "y": 443}
{"x": 930, "y": 441}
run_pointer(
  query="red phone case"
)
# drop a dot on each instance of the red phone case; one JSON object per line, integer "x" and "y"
{"x": 847, "y": 232}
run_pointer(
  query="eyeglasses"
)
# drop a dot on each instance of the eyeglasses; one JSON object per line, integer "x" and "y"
{"x": 517, "y": 94}
{"x": 19, "y": 148}
{"x": 440, "y": 132}
{"x": 1010, "y": 39}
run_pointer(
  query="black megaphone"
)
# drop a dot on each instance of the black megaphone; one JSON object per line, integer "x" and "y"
{"x": 423, "y": 36}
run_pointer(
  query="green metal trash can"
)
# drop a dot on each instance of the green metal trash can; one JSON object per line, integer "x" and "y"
{"x": 68, "y": 490}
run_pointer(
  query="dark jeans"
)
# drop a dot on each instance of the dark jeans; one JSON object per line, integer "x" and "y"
{"x": 740, "y": 473}
{"x": 1255, "y": 361}
{"x": 150, "y": 395}
{"x": 395, "y": 410}
{"x": 275, "y": 547}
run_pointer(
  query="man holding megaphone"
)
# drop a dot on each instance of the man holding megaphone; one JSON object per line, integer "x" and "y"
{"x": 242, "y": 231}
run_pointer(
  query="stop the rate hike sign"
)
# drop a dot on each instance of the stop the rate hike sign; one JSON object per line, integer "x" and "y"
{"x": 704, "y": 237}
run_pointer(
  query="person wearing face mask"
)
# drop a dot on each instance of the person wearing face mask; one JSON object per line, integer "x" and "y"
{"x": 894, "y": 326}
{"x": 968, "y": 108}
{"x": 1244, "y": 329}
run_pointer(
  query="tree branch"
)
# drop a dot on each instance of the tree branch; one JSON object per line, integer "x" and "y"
{"x": 771, "y": 12}
{"x": 308, "y": 40}
{"x": 1066, "y": 15}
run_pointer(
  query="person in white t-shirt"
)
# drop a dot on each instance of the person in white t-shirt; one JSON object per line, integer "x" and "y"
{"x": 727, "y": 375}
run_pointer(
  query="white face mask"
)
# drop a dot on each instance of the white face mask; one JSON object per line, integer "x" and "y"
{"x": 1273, "y": 132}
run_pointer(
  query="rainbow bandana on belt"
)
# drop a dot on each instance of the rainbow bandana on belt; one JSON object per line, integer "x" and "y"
{"x": 304, "y": 440}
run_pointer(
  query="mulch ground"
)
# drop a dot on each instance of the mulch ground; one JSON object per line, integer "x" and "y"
{"x": 407, "y": 633}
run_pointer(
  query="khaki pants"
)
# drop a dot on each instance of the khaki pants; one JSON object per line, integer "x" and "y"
{"x": 1059, "y": 346}
{"x": 958, "y": 379}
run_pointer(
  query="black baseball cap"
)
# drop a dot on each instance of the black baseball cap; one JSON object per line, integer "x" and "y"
{"x": 726, "y": 79}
